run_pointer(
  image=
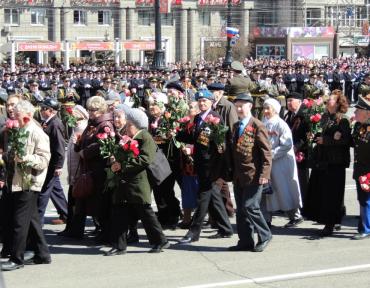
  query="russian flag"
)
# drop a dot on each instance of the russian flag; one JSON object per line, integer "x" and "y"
{"x": 231, "y": 32}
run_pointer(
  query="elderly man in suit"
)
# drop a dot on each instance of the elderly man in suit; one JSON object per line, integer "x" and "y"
{"x": 210, "y": 167}
{"x": 52, "y": 187}
{"x": 252, "y": 166}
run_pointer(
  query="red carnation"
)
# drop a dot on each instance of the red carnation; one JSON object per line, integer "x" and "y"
{"x": 315, "y": 118}
{"x": 102, "y": 136}
{"x": 26, "y": 120}
{"x": 69, "y": 110}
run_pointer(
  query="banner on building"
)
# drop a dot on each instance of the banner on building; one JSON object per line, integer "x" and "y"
{"x": 39, "y": 46}
{"x": 92, "y": 46}
{"x": 93, "y": 2}
{"x": 138, "y": 45}
{"x": 217, "y": 2}
{"x": 271, "y": 51}
{"x": 151, "y": 3}
{"x": 297, "y": 32}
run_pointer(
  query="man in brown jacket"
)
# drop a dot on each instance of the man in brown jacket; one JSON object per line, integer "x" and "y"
{"x": 252, "y": 166}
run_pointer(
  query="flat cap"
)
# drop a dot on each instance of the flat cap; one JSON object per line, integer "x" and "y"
{"x": 216, "y": 86}
{"x": 246, "y": 96}
{"x": 363, "y": 103}
{"x": 295, "y": 95}
{"x": 204, "y": 93}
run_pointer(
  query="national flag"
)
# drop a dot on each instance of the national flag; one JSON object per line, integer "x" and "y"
{"x": 231, "y": 32}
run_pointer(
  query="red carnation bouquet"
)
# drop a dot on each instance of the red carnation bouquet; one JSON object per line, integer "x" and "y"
{"x": 122, "y": 150}
{"x": 365, "y": 182}
{"x": 314, "y": 108}
{"x": 69, "y": 118}
{"x": 17, "y": 138}
{"x": 218, "y": 131}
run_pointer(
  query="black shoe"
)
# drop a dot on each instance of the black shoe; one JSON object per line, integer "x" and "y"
{"x": 187, "y": 239}
{"x": 10, "y": 266}
{"x": 293, "y": 223}
{"x": 184, "y": 225}
{"x": 27, "y": 255}
{"x": 337, "y": 227}
{"x": 37, "y": 260}
{"x": 132, "y": 238}
{"x": 159, "y": 248}
{"x": 240, "y": 248}
{"x": 262, "y": 245}
{"x": 219, "y": 235}
{"x": 114, "y": 252}
{"x": 361, "y": 236}
{"x": 327, "y": 231}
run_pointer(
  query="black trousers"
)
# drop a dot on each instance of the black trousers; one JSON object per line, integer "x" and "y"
{"x": 168, "y": 205}
{"x": 26, "y": 220}
{"x": 210, "y": 201}
{"x": 6, "y": 220}
{"x": 249, "y": 218}
{"x": 121, "y": 220}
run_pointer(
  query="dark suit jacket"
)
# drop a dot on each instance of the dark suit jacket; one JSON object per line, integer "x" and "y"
{"x": 300, "y": 127}
{"x": 254, "y": 159}
{"x": 209, "y": 164}
{"x": 56, "y": 132}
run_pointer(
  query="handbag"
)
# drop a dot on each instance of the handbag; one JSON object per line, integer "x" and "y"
{"x": 84, "y": 185}
{"x": 159, "y": 169}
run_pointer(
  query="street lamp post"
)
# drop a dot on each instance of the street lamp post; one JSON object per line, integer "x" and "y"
{"x": 228, "y": 57}
{"x": 158, "y": 62}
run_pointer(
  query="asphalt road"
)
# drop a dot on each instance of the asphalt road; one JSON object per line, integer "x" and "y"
{"x": 296, "y": 257}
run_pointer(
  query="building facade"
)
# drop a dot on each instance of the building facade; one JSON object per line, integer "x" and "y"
{"x": 186, "y": 28}
{"x": 348, "y": 18}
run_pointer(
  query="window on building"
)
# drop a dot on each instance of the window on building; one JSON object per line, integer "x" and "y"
{"x": 313, "y": 17}
{"x": 11, "y": 16}
{"x": 236, "y": 18}
{"x": 145, "y": 17}
{"x": 104, "y": 17}
{"x": 205, "y": 18}
{"x": 264, "y": 19}
{"x": 346, "y": 16}
{"x": 79, "y": 17}
{"x": 38, "y": 16}
{"x": 167, "y": 19}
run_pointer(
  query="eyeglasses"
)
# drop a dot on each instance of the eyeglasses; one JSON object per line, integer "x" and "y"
{"x": 92, "y": 110}
{"x": 44, "y": 108}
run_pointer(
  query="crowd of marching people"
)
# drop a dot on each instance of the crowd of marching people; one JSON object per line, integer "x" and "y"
{"x": 277, "y": 130}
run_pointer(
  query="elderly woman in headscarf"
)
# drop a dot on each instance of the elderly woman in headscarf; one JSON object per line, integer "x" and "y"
{"x": 73, "y": 160}
{"x": 133, "y": 199}
{"x": 285, "y": 194}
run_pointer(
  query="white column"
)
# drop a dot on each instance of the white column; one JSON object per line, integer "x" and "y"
{"x": 117, "y": 49}
{"x": 66, "y": 55}
{"x": 12, "y": 57}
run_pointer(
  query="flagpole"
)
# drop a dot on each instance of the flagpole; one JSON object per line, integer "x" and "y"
{"x": 228, "y": 57}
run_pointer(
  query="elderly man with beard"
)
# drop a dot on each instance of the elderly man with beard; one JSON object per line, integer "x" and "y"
{"x": 24, "y": 195}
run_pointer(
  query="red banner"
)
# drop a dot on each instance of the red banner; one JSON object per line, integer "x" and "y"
{"x": 151, "y": 2}
{"x": 138, "y": 45}
{"x": 39, "y": 46}
{"x": 217, "y": 2}
{"x": 93, "y": 46}
{"x": 163, "y": 6}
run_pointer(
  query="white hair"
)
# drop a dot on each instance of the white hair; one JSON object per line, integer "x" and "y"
{"x": 26, "y": 107}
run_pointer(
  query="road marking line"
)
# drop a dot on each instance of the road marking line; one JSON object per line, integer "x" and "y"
{"x": 283, "y": 277}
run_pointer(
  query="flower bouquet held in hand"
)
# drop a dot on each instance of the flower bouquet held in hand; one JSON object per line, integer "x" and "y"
{"x": 185, "y": 124}
{"x": 175, "y": 110}
{"x": 18, "y": 142}
{"x": 365, "y": 182}
{"x": 217, "y": 132}
{"x": 313, "y": 112}
{"x": 69, "y": 118}
{"x": 120, "y": 150}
